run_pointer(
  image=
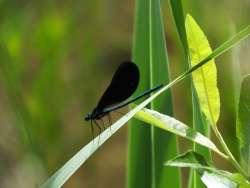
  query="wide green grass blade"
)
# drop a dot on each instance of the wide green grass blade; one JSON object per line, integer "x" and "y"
{"x": 164, "y": 145}
{"x": 139, "y": 146}
{"x": 243, "y": 122}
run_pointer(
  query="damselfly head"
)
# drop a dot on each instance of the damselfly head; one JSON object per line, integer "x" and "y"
{"x": 88, "y": 117}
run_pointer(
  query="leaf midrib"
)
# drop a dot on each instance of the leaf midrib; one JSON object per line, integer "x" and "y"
{"x": 207, "y": 98}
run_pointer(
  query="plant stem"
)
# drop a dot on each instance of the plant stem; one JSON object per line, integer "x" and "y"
{"x": 228, "y": 152}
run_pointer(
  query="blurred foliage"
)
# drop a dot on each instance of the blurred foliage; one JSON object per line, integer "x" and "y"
{"x": 56, "y": 57}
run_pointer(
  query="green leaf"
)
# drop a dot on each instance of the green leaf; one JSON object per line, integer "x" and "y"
{"x": 211, "y": 177}
{"x": 243, "y": 124}
{"x": 172, "y": 125}
{"x": 205, "y": 79}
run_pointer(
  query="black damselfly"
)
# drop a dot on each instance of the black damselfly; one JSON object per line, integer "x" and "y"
{"x": 122, "y": 86}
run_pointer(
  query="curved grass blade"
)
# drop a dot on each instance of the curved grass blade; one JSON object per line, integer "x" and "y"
{"x": 69, "y": 168}
{"x": 205, "y": 79}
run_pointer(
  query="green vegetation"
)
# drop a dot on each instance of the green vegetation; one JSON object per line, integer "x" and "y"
{"x": 50, "y": 69}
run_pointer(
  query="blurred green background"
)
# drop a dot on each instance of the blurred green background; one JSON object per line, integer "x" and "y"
{"x": 56, "y": 59}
